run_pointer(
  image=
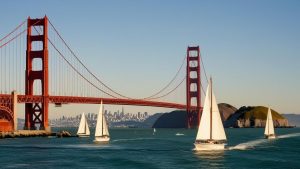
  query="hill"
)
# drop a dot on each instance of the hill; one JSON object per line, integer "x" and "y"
{"x": 174, "y": 119}
{"x": 178, "y": 118}
{"x": 226, "y": 110}
{"x": 254, "y": 116}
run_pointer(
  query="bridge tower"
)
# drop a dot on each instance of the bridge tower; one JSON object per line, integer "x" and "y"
{"x": 193, "y": 89}
{"x": 37, "y": 112}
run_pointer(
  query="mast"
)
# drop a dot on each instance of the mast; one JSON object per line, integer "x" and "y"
{"x": 210, "y": 108}
{"x": 102, "y": 119}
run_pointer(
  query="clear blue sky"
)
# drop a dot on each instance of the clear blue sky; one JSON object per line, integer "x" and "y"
{"x": 251, "y": 48}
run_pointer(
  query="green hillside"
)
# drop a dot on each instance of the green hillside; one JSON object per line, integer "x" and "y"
{"x": 260, "y": 112}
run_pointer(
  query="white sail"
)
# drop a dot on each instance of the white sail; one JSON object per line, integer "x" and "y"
{"x": 204, "y": 126}
{"x": 218, "y": 132}
{"x": 204, "y": 131}
{"x": 269, "y": 129}
{"x": 105, "y": 128}
{"x": 99, "y": 129}
{"x": 83, "y": 126}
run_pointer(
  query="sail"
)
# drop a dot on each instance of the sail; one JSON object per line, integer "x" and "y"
{"x": 204, "y": 129}
{"x": 87, "y": 129}
{"x": 99, "y": 129}
{"x": 83, "y": 126}
{"x": 269, "y": 129}
{"x": 204, "y": 126}
{"x": 105, "y": 127}
{"x": 218, "y": 132}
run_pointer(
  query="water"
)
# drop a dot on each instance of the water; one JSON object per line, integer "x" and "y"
{"x": 139, "y": 148}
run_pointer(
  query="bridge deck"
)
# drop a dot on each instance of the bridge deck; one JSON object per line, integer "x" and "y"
{"x": 93, "y": 100}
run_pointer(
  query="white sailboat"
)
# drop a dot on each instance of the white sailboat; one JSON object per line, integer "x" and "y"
{"x": 101, "y": 131}
{"x": 83, "y": 129}
{"x": 269, "y": 129}
{"x": 211, "y": 134}
{"x": 154, "y": 131}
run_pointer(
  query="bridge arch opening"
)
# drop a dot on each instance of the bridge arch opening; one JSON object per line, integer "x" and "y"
{"x": 6, "y": 119}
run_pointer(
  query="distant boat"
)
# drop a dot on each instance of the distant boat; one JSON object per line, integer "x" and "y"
{"x": 154, "y": 131}
{"x": 101, "y": 131}
{"x": 211, "y": 134}
{"x": 83, "y": 129}
{"x": 269, "y": 129}
{"x": 179, "y": 134}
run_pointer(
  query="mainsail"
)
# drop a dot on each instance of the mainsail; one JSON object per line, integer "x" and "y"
{"x": 269, "y": 129}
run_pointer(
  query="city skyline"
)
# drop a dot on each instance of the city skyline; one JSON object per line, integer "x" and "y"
{"x": 253, "y": 59}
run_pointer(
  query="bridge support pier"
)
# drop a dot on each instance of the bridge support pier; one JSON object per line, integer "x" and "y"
{"x": 37, "y": 113}
{"x": 14, "y": 109}
{"x": 193, "y": 86}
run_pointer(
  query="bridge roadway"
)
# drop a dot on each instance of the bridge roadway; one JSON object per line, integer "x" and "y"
{"x": 91, "y": 100}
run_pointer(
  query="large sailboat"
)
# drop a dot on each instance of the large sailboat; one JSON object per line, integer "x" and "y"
{"x": 83, "y": 129}
{"x": 101, "y": 131}
{"x": 269, "y": 129}
{"x": 211, "y": 134}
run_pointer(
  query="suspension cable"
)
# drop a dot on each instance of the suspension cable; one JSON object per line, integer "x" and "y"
{"x": 13, "y": 30}
{"x": 74, "y": 67}
{"x": 77, "y": 58}
{"x": 160, "y": 91}
{"x": 169, "y": 91}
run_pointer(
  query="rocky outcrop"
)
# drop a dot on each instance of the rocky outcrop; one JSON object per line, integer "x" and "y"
{"x": 241, "y": 123}
{"x": 254, "y": 117}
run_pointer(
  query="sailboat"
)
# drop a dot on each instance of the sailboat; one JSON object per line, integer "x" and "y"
{"x": 269, "y": 129}
{"x": 211, "y": 134}
{"x": 154, "y": 131}
{"x": 101, "y": 131}
{"x": 83, "y": 129}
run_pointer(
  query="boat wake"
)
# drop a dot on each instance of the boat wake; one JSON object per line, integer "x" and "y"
{"x": 247, "y": 145}
{"x": 133, "y": 139}
{"x": 289, "y": 135}
{"x": 254, "y": 143}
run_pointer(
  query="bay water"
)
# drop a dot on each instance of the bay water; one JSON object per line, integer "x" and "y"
{"x": 142, "y": 148}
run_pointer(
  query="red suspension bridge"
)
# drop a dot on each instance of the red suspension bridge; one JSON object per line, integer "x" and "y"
{"x": 54, "y": 74}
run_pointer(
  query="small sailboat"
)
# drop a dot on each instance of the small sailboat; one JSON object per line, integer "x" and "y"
{"x": 154, "y": 131}
{"x": 101, "y": 131}
{"x": 269, "y": 129}
{"x": 83, "y": 129}
{"x": 211, "y": 134}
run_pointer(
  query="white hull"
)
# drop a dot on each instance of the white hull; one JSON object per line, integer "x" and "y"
{"x": 270, "y": 136}
{"x": 209, "y": 146}
{"x": 83, "y": 135}
{"x": 103, "y": 139}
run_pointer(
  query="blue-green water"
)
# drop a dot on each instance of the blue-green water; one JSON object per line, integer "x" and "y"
{"x": 139, "y": 148}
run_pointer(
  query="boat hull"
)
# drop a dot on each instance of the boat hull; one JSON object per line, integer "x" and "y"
{"x": 209, "y": 146}
{"x": 102, "y": 139}
{"x": 83, "y": 135}
{"x": 270, "y": 136}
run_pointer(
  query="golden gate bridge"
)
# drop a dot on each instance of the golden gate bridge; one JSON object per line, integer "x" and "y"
{"x": 40, "y": 68}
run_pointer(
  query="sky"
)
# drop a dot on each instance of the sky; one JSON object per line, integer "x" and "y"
{"x": 251, "y": 48}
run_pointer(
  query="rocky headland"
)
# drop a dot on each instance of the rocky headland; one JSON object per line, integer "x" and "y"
{"x": 244, "y": 117}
